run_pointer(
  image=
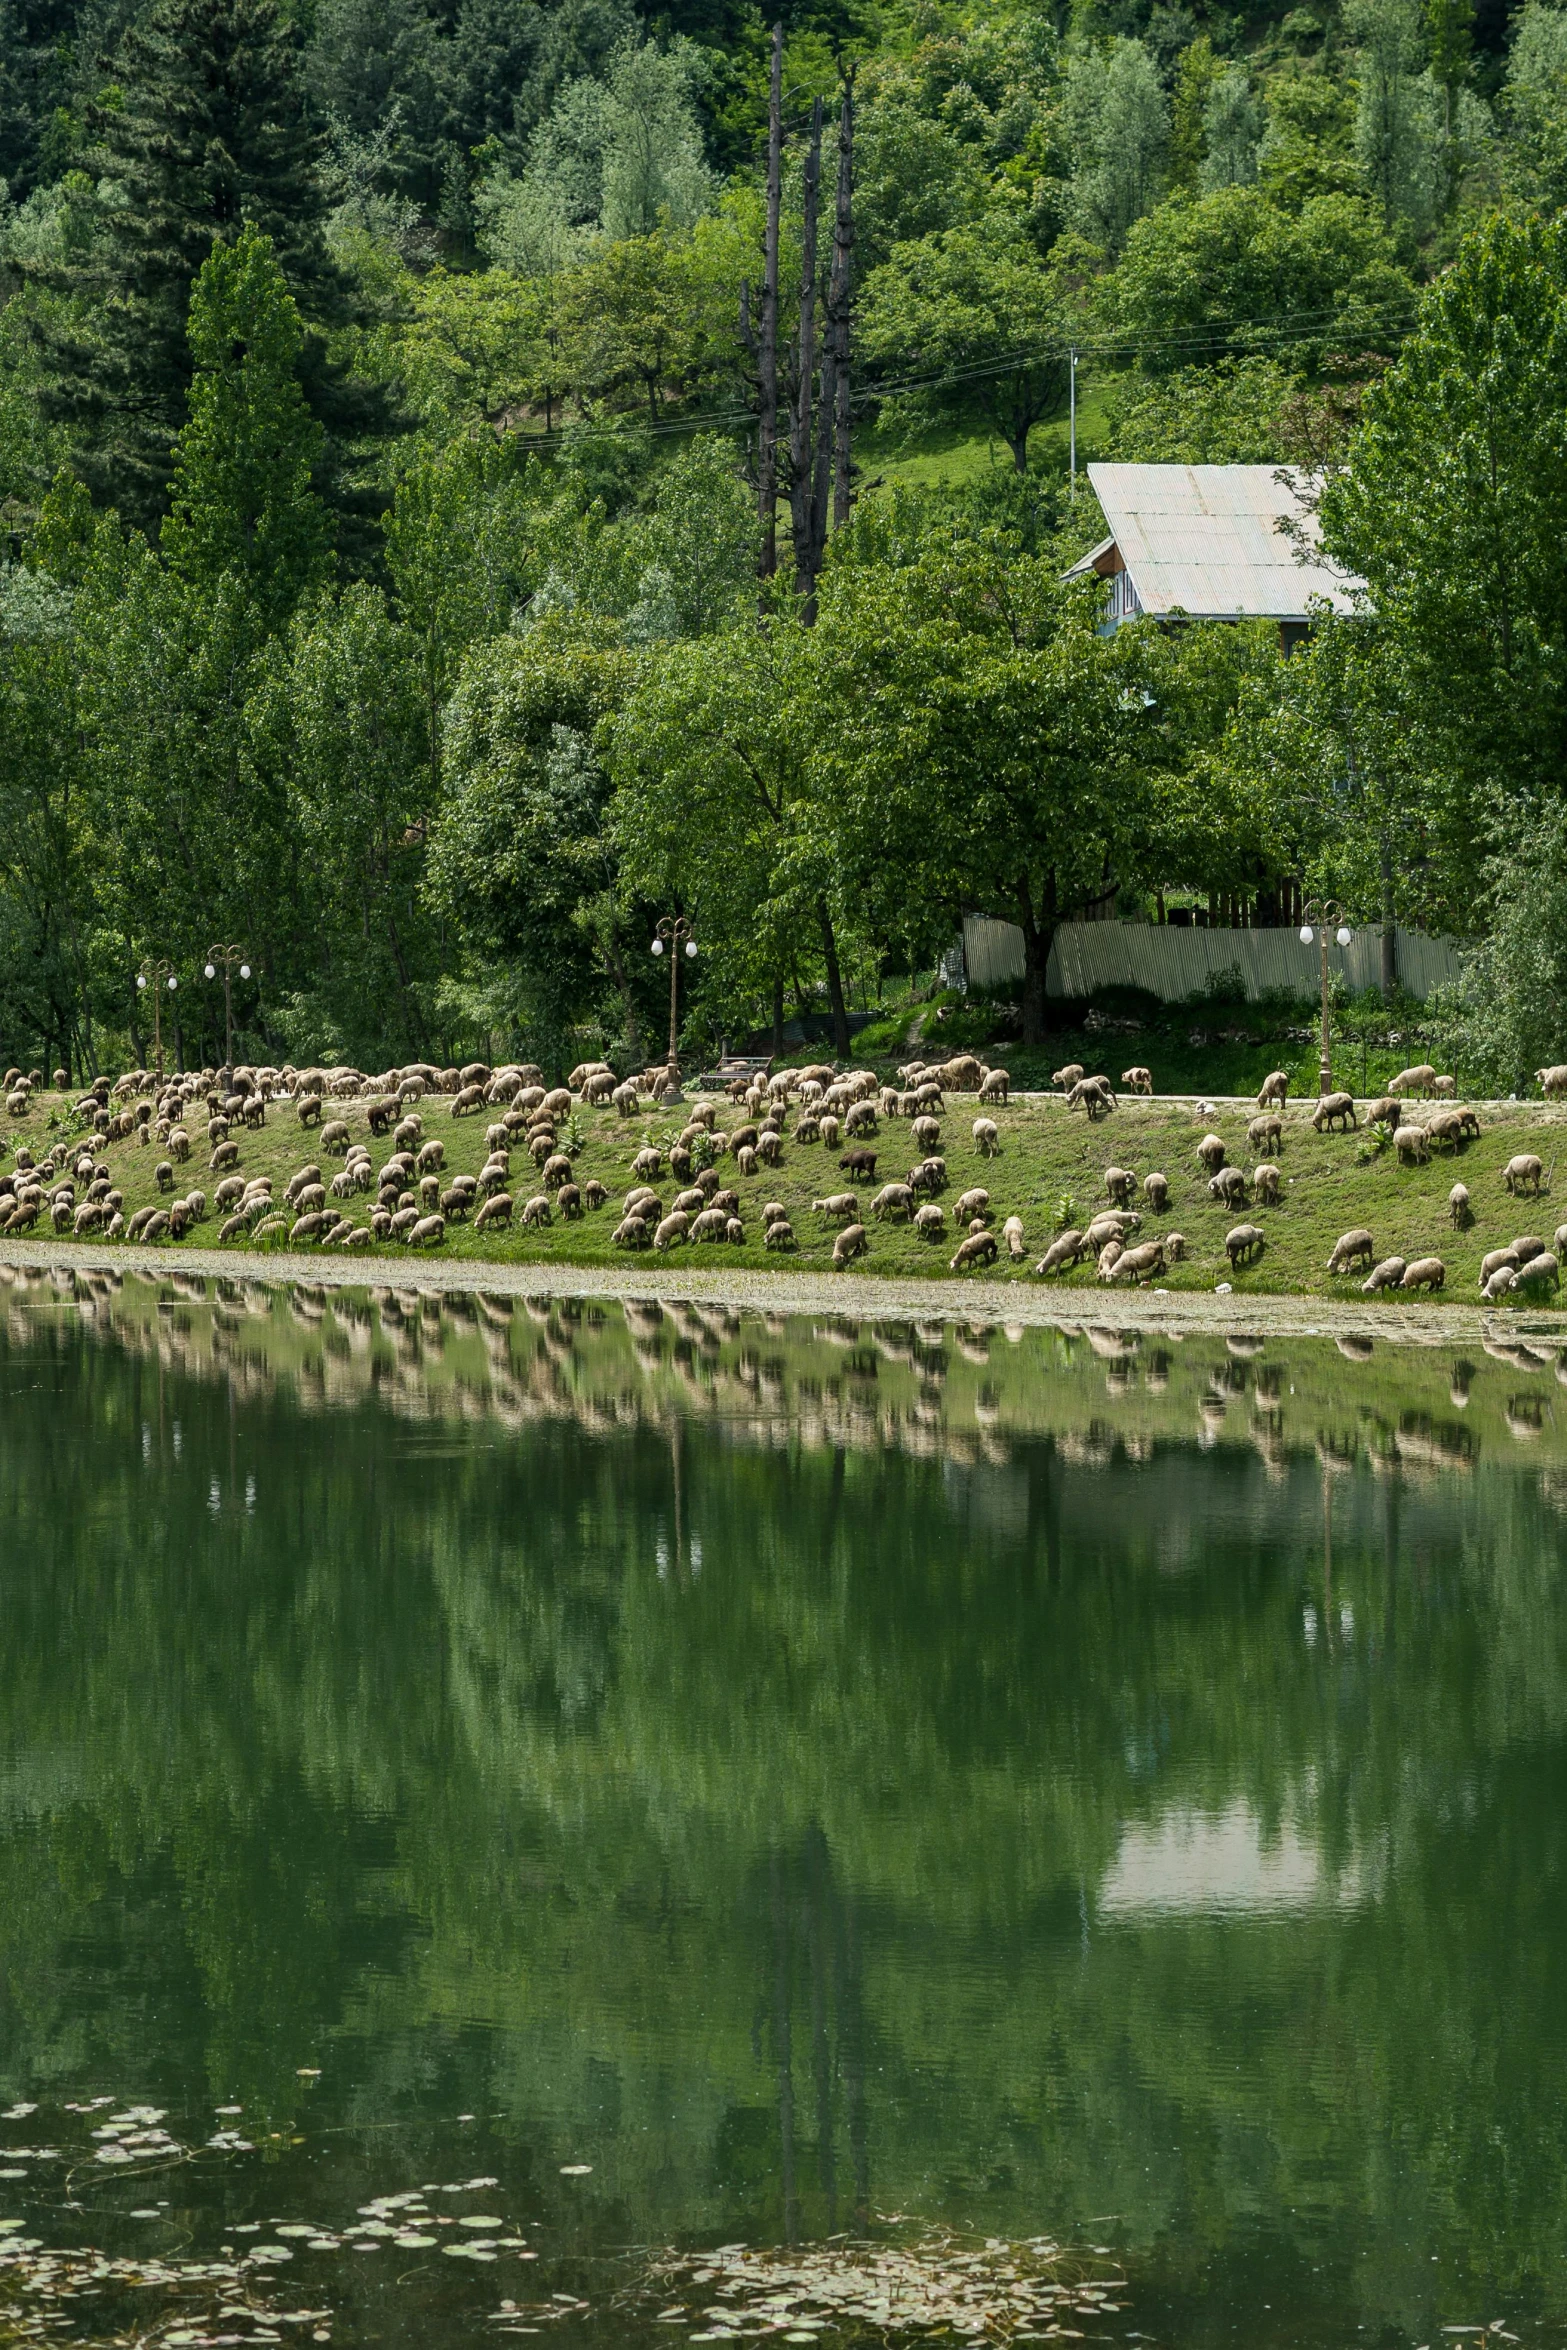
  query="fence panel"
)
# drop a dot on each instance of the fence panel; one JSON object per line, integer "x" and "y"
{"x": 1173, "y": 962}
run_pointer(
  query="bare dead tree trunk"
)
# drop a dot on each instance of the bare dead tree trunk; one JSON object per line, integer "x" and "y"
{"x": 801, "y": 499}
{"x": 767, "y": 435}
{"x": 838, "y": 308}
{"x": 840, "y": 1010}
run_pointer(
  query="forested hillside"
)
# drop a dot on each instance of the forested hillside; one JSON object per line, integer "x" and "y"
{"x": 391, "y": 585}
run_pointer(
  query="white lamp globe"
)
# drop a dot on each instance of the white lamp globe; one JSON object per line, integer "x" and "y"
{"x": 212, "y": 970}
{"x": 173, "y": 982}
{"x": 658, "y": 946}
{"x": 141, "y": 978}
{"x": 244, "y": 970}
{"x": 1344, "y": 934}
{"x": 1307, "y": 934}
{"x": 690, "y": 946}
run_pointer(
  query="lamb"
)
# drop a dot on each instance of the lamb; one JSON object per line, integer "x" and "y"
{"x": 1243, "y": 1242}
{"x": 1211, "y": 1152}
{"x": 630, "y": 1232}
{"x": 1228, "y": 1187}
{"x": 930, "y": 1221}
{"x": 1339, "y": 1107}
{"x": 1137, "y": 1080}
{"x": 779, "y": 1233}
{"x": 1135, "y": 1264}
{"x": 1351, "y": 1248}
{"x": 1445, "y": 1086}
{"x": 894, "y": 1200}
{"x": 1524, "y": 1172}
{"x": 1265, "y": 1184}
{"x": 986, "y": 1139}
{"x": 1420, "y": 1079}
{"x": 1012, "y": 1234}
{"x": 1424, "y": 1273}
{"x": 994, "y": 1085}
{"x": 978, "y": 1249}
{"x": 1266, "y": 1134}
{"x": 1552, "y": 1080}
{"x": 1069, "y": 1076}
{"x": 1156, "y": 1191}
{"x": 1458, "y": 1207}
{"x": 1559, "y": 1242}
{"x": 1502, "y": 1280}
{"x": 734, "y": 1232}
{"x": 537, "y": 1210}
{"x": 808, "y": 1130}
{"x": 1469, "y": 1125}
{"x": 927, "y": 1132}
{"x": 929, "y": 1175}
{"x": 1412, "y": 1146}
{"x": 1275, "y": 1088}
{"x": 1061, "y": 1254}
{"x": 1387, "y": 1275}
{"x": 837, "y": 1203}
{"x": 1118, "y": 1183}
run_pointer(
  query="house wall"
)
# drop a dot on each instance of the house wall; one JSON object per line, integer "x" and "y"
{"x": 1171, "y": 963}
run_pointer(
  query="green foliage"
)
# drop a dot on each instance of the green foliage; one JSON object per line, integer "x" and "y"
{"x": 1507, "y": 1016}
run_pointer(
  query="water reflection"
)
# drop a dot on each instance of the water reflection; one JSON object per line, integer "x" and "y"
{"x": 806, "y": 1771}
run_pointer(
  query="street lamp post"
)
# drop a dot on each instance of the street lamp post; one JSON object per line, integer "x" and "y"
{"x": 1323, "y": 915}
{"x": 226, "y": 959}
{"x": 673, "y": 933}
{"x": 157, "y": 975}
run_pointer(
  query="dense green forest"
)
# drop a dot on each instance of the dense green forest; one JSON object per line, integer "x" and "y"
{"x": 402, "y": 577}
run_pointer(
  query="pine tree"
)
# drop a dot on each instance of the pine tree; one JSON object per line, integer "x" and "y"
{"x": 206, "y": 132}
{"x": 242, "y": 501}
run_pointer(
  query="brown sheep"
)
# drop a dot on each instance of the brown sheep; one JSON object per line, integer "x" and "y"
{"x": 1266, "y": 1134}
{"x": 1244, "y": 1242}
{"x": 1118, "y": 1182}
{"x": 1523, "y": 1173}
{"x": 1275, "y": 1088}
{"x": 1424, "y": 1273}
{"x": 850, "y": 1243}
{"x": 1137, "y": 1080}
{"x": 1387, "y": 1275}
{"x": 1265, "y": 1184}
{"x": 1351, "y": 1248}
{"x": 861, "y": 1164}
{"x": 1211, "y": 1152}
{"x": 1061, "y": 1254}
{"x": 163, "y": 1175}
{"x": 466, "y": 1099}
{"x": 1334, "y": 1106}
{"x": 1156, "y": 1191}
{"x": 593, "y": 1193}
{"x": 978, "y": 1249}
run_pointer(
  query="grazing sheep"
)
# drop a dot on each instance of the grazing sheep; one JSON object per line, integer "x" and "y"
{"x": 1266, "y": 1134}
{"x": 179, "y": 1144}
{"x": 1412, "y": 1145}
{"x": 1211, "y": 1152}
{"x": 1012, "y": 1234}
{"x": 230, "y": 1229}
{"x": 1114, "y": 1224}
{"x": 1093, "y": 1094}
{"x": 1135, "y": 1264}
{"x": 1175, "y": 1246}
{"x": 1523, "y": 1173}
{"x": 429, "y": 1232}
{"x": 537, "y": 1209}
{"x": 556, "y": 1171}
{"x": 973, "y": 1203}
{"x": 1445, "y": 1126}
{"x": 1069, "y": 1076}
{"x": 310, "y": 1225}
{"x": 464, "y": 1100}
{"x": 1529, "y": 1245}
{"x": 745, "y": 1159}
{"x": 861, "y": 1119}
{"x": 709, "y": 1225}
{"x": 1417, "y": 1080}
{"x": 230, "y": 1190}
{"x": 408, "y": 1132}
{"x": 1384, "y": 1111}
{"x": 1156, "y": 1191}
{"x": 334, "y": 1137}
{"x": 380, "y": 1113}
{"x": 734, "y": 1232}
{"x": 1351, "y": 1248}
{"x": 1265, "y": 1184}
{"x": 986, "y": 1139}
{"x": 1387, "y": 1275}
{"x": 829, "y": 1130}
{"x": 156, "y": 1226}
{"x": 1458, "y": 1208}
{"x": 1469, "y": 1125}
{"x": 927, "y": 1132}
{"x": 1138, "y": 1080}
{"x": 1445, "y": 1086}
{"x": 1502, "y": 1280}
{"x": 1275, "y": 1088}
{"x": 861, "y": 1164}
{"x": 163, "y": 1175}
{"x": 455, "y": 1203}
{"x": 779, "y": 1233}
{"x": 1333, "y": 1107}
{"x": 648, "y": 1161}
{"x": 1424, "y": 1273}
{"x": 1493, "y": 1261}
{"x": 225, "y": 1155}
{"x": 769, "y": 1147}
{"x": 808, "y": 1130}
{"x": 774, "y": 1212}
{"x": 308, "y": 1109}
{"x": 1228, "y": 1187}
{"x": 1061, "y": 1254}
{"x": 930, "y": 1221}
{"x": 995, "y": 1085}
{"x": 569, "y": 1201}
{"x": 894, "y": 1200}
{"x": 1109, "y": 1257}
{"x": 1118, "y": 1183}
{"x": 978, "y": 1249}
{"x": 852, "y": 1243}
{"x": 837, "y": 1203}
{"x": 641, "y": 1201}
{"x": 1552, "y": 1080}
{"x": 672, "y": 1229}
{"x": 1243, "y": 1242}
{"x": 929, "y": 1175}
{"x": 1540, "y": 1273}
{"x": 630, "y": 1232}
{"x": 431, "y": 1156}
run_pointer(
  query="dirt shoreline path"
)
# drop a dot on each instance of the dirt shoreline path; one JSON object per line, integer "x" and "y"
{"x": 867, "y": 1297}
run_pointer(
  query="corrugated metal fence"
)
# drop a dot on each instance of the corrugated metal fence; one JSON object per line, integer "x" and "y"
{"x": 1173, "y": 962}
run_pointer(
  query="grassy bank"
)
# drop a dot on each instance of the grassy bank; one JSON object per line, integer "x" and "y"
{"x": 1049, "y": 1171}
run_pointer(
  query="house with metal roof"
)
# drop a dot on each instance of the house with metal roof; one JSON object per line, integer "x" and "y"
{"x": 1214, "y": 542}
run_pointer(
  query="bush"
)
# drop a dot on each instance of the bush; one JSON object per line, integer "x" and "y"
{"x": 1507, "y": 1014}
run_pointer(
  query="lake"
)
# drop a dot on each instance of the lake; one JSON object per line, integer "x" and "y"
{"x": 504, "y": 1805}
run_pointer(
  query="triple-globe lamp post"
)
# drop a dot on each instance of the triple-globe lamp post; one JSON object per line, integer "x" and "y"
{"x": 1322, "y": 916}
{"x": 673, "y": 933}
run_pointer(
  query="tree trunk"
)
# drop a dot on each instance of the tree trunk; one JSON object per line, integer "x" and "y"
{"x": 801, "y": 486}
{"x": 1389, "y": 925}
{"x": 767, "y": 432}
{"x": 778, "y": 1014}
{"x": 840, "y": 1011}
{"x": 838, "y": 316}
{"x": 1039, "y": 932}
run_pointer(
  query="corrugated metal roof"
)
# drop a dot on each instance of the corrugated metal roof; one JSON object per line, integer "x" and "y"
{"x": 1206, "y": 539}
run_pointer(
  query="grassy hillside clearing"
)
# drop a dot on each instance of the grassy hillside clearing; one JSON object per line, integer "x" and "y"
{"x": 1049, "y": 1170}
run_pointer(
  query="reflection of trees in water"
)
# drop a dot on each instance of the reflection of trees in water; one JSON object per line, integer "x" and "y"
{"x": 815, "y": 1967}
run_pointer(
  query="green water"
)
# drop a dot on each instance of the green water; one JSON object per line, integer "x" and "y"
{"x": 826, "y": 1778}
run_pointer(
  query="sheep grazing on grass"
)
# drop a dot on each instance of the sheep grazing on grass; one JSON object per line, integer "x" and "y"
{"x": 1118, "y": 1182}
{"x": 1266, "y": 1134}
{"x": 861, "y": 1164}
{"x": 1387, "y": 1275}
{"x": 978, "y": 1249}
{"x": 1458, "y": 1209}
{"x": 1093, "y": 1094}
{"x": 1265, "y": 1184}
{"x": 1384, "y": 1111}
{"x": 927, "y": 1132}
{"x": 1445, "y": 1087}
{"x": 1069, "y": 1076}
{"x": 995, "y": 1085}
{"x": 837, "y": 1203}
{"x": 1012, "y": 1234}
{"x": 569, "y": 1201}
{"x": 1552, "y": 1080}
{"x": 852, "y": 1243}
{"x": 1334, "y": 1109}
{"x": 1424, "y": 1273}
{"x": 829, "y": 1127}
{"x": 769, "y": 1148}
{"x": 1420, "y": 1079}
{"x": 1137, "y": 1264}
{"x": 710, "y": 1224}
{"x": 648, "y": 1161}
{"x": 1114, "y": 1224}
{"x": 1523, "y": 1173}
{"x": 1156, "y": 1191}
{"x": 778, "y": 1234}
{"x": 556, "y": 1171}
{"x": 894, "y": 1202}
{"x": 1494, "y": 1260}
{"x": 861, "y": 1119}
{"x": 973, "y": 1203}
{"x": 930, "y": 1221}
{"x": 1244, "y": 1242}
{"x": 1228, "y": 1187}
{"x": 929, "y": 1175}
{"x": 1211, "y": 1152}
{"x": 335, "y": 1137}
{"x": 1445, "y": 1126}
{"x": 1062, "y": 1254}
{"x": 672, "y": 1230}
{"x": 630, "y": 1232}
{"x": 986, "y": 1139}
{"x": 1412, "y": 1145}
{"x": 163, "y": 1175}
{"x": 226, "y": 1154}
{"x": 1351, "y": 1248}
{"x": 1137, "y": 1080}
{"x": 308, "y": 1109}
{"x": 1109, "y": 1256}
{"x": 1504, "y": 1279}
{"x": 1275, "y": 1088}
{"x": 745, "y": 1160}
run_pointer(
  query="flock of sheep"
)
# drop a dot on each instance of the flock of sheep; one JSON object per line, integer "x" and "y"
{"x": 416, "y": 1199}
